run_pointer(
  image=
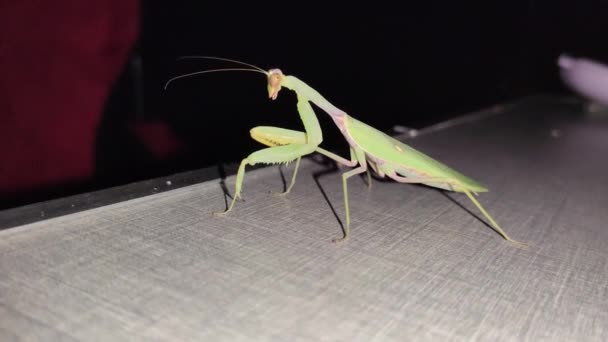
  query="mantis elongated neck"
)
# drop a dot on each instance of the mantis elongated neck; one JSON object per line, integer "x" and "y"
{"x": 303, "y": 89}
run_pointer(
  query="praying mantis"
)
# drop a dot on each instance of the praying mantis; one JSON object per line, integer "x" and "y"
{"x": 369, "y": 147}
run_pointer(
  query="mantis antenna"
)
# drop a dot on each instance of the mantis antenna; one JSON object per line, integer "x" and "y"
{"x": 255, "y": 68}
{"x": 214, "y": 70}
{"x": 222, "y": 59}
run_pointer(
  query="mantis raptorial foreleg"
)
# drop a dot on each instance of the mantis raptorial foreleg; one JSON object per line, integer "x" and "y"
{"x": 286, "y": 146}
{"x": 276, "y": 136}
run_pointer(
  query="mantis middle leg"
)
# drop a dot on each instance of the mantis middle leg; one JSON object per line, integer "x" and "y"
{"x": 360, "y": 158}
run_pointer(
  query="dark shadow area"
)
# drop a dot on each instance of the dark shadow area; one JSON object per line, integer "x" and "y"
{"x": 283, "y": 179}
{"x": 222, "y": 175}
{"x": 331, "y": 168}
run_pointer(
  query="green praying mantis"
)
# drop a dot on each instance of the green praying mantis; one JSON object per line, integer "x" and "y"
{"x": 385, "y": 155}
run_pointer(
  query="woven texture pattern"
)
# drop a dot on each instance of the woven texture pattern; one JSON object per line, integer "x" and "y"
{"x": 420, "y": 264}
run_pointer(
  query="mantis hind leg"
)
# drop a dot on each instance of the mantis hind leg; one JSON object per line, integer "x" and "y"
{"x": 456, "y": 186}
{"x": 271, "y": 155}
{"x": 494, "y": 224}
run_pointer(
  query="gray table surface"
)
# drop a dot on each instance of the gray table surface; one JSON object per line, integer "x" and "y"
{"x": 420, "y": 265}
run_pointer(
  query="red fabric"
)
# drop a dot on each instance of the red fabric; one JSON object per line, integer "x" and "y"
{"x": 58, "y": 61}
{"x": 158, "y": 138}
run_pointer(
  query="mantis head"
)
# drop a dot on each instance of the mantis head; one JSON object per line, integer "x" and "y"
{"x": 275, "y": 78}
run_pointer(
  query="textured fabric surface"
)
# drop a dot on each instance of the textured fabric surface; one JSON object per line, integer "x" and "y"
{"x": 417, "y": 267}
